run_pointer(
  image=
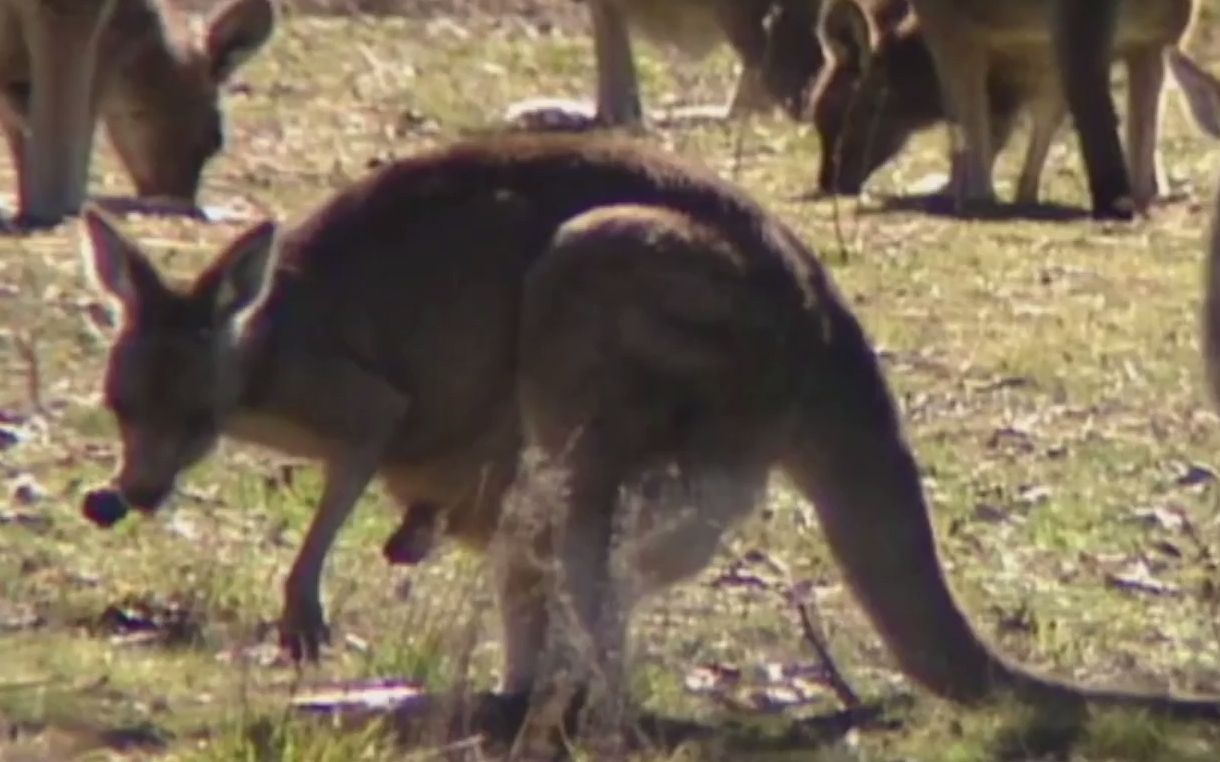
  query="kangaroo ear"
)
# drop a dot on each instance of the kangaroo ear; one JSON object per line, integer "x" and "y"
{"x": 114, "y": 263}
{"x": 236, "y": 30}
{"x": 844, "y": 33}
{"x": 1201, "y": 89}
{"x": 238, "y": 281}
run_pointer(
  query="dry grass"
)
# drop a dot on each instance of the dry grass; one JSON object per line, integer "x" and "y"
{"x": 1048, "y": 374}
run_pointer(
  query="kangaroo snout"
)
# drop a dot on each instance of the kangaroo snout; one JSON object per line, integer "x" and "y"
{"x": 144, "y": 497}
{"x": 107, "y": 506}
{"x": 142, "y": 487}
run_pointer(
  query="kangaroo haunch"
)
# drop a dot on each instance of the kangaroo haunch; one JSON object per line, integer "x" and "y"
{"x": 515, "y": 329}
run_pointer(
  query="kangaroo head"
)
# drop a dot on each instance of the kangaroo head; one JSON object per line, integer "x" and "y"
{"x": 163, "y": 114}
{"x": 175, "y": 369}
{"x": 877, "y": 87}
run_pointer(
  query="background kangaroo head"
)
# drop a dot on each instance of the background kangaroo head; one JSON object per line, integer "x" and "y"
{"x": 877, "y": 87}
{"x": 165, "y": 121}
{"x": 174, "y": 369}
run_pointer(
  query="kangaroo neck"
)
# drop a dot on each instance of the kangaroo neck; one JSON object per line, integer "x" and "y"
{"x": 254, "y": 366}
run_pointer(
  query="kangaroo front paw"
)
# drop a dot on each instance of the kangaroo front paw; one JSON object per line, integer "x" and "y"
{"x": 303, "y": 629}
{"x": 415, "y": 536}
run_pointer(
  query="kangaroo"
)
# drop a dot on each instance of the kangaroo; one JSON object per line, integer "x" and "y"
{"x": 879, "y": 87}
{"x": 1061, "y": 51}
{"x": 533, "y": 323}
{"x": 138, "y": 66}
{"x": 1202, "y": 92}
{"x": 773, "y": 38}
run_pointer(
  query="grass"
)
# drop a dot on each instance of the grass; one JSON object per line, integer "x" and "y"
{"x": 1048, "y": 374}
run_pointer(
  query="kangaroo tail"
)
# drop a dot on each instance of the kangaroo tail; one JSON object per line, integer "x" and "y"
{"x": 848, "y": 457}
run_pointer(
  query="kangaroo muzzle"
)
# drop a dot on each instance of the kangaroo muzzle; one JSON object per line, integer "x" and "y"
{"x": 107, "y": 506}
{"x": 145, "y": 498}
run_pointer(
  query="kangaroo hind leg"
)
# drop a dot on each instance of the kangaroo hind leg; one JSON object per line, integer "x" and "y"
{"x": 632, "y": 326}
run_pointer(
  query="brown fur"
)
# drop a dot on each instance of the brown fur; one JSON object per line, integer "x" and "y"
{"x": 135, "y": 64}
{"x": 569, "y": 318}
{"x": 876, "y": 88}
{"x": 1060, "y": 53}
{"x": 773, "y": 38}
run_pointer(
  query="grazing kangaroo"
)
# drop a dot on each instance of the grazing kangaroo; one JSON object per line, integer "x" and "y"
{"x": 1058, "y": 52}
{"x": 135, "y": 63}
{"x": 879, "y": 87}
{"x": 1202, "y": 92}
{"x": 773, "y": 38}
{"x": 536, "y": 323}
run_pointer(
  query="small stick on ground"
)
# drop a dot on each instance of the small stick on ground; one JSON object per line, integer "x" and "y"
{"x": 27, "y": 348}
{"x": 813, "y": 633}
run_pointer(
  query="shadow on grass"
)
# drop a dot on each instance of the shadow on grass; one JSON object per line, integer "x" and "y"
{"x": 942, "y": 205}
{"x": 493, "y": 720}
{"x": 939, "y": 204}
{"x": 1042, "y": 735}
{"x": 29, "y": 740}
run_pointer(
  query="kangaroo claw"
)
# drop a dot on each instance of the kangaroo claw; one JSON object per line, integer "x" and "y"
{"x": 303, "y": 630}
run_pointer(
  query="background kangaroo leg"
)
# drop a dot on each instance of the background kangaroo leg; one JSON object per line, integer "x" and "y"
{"x": 1083, "y": 36}
{"x": 1046, "y": 114}
{"x": 618, "y": 90}
{"x": 618, "y": 94}
{"x": 1146, "y": 75}
{"x": 962, "y": 69}
{"x": 62, "y": 39}
{"x": 750, "y": 95}
{"x": 744, "y": 23}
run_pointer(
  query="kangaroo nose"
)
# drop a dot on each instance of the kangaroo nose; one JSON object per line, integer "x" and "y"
{"x": 104, "y": 507}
